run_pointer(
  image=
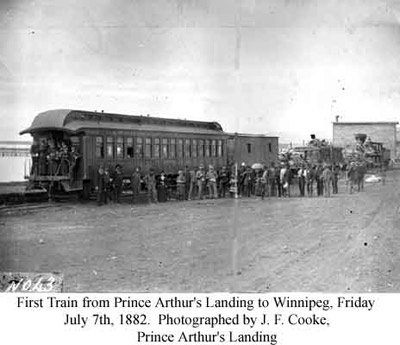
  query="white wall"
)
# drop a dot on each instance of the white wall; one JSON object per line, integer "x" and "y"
{"x": 12, "y": 168}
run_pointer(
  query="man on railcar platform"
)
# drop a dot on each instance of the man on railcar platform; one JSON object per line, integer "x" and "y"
{"x": 136, "y": 182}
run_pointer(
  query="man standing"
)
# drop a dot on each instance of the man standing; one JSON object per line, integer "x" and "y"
{"x": 327, "y": 180}
{"x": 107, "y": 184}
{"x": 101, "y": 187}
{"x": 201, "y": 179}
{"x": 248, "y": 182}
{"x": 187, "y": 182}
{"x": 192, "y": 183}
{"x": 211, "y": 178}
{"x": 181, "y": 184}
{"x": 301, "y": 175}
{"x": 264, "y": 183}
{"x": 336, "y": 172}
{"x": 272, "y": 179}
{"x": 223, "y": 182}
{"x": 310, "y": 176}
{"x": 150, "y": 181}
{"x": 136, "y": 184}
{"x": 117, "y": 182}
{"x": 320, "y": 182}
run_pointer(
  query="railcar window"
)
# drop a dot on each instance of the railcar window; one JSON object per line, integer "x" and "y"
{"x": 165, "y": 148}
{"x": 139, "y": 147}
{"x": 99, "y": 147}
{"x": 172, "y": 148}
{"x": 213, "y": 148}
{"x": 248, "y": 148}
{"x": 207, "y": 148}
{"x": 157, "y": 148}
{"x": 187, "y": 148}
{"x": 129, "y": 148}
{"x": 147, "y": 148}
{"x": 110, "y": 147}
{"x": 219, "y": 148}
{"x": 120, "y": 147}
{"x": 180, "y": 148}
{"x": 194, "y": 148}
{"x": 201, "y": 148}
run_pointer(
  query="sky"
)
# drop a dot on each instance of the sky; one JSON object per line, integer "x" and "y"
{"x": 275, "y": 67}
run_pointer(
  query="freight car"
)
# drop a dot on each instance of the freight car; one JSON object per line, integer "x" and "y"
{"x": 70, "y": 145}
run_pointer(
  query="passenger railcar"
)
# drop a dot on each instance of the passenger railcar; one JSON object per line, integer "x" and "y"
{"x": 70, "y": 145}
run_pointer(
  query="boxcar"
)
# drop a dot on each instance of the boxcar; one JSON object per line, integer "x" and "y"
{"x": 70, "y": 145}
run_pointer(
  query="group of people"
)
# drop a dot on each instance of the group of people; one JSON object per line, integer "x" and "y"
{"x": 279, "y": 180}
{"x": 109, "y": 185}
{"x": 188, "y": 184}
{"x": 53, "y": 157}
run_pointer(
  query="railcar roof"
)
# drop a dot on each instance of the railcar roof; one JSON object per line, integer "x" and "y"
{"x": 76, "y": 120}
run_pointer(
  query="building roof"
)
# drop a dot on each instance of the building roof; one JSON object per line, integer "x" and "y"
{"x": 76, "y": 120}
{"x": 246, "y": 135}
{"x": 366, "y": 123}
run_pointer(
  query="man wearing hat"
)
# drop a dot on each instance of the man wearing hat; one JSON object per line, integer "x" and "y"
{"x": 136, "y": 182}
{"x": 117, "y": 183}
{"x": 101, "y": 187}
{"x": 181, "y": 184}
{"x": 201, "y": 179}
{"x": 223, "y": 182}
{"x": 327, "y": 180}
{"x": 211, "y": 178}
{"x": 150, "y": 180}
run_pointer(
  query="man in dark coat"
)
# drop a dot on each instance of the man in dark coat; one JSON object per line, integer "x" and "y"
{"x": 336, "y": 173}
{"x": 223, "y": 182}
{"x": 117, "y": 183}
{"x": 301, "y": 175}
{"x": 136, "y": 183}
{"x": 272, "y": 179}
{"x": 101, "y": 187}
{"x": 319, "y": 180}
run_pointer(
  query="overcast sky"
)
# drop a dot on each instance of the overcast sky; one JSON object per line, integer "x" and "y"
{"x": 281, "y": 67}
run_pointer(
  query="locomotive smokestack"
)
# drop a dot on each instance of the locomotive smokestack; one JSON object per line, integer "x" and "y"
{"x": 312, "y": 136}
{"x": 337, "y": 118}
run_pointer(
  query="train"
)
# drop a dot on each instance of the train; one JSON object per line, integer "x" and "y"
{"x": 70, "y": 145}
{"x": 314, "y": 153}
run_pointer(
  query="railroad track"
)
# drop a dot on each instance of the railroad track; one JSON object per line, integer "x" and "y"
{"x": 27, "y": 207}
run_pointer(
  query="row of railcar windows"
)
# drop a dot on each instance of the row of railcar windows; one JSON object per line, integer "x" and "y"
{"x": 127, "y": 147}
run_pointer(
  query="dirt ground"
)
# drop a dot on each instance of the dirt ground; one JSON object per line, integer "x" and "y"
{"x": 346, "y": 243}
